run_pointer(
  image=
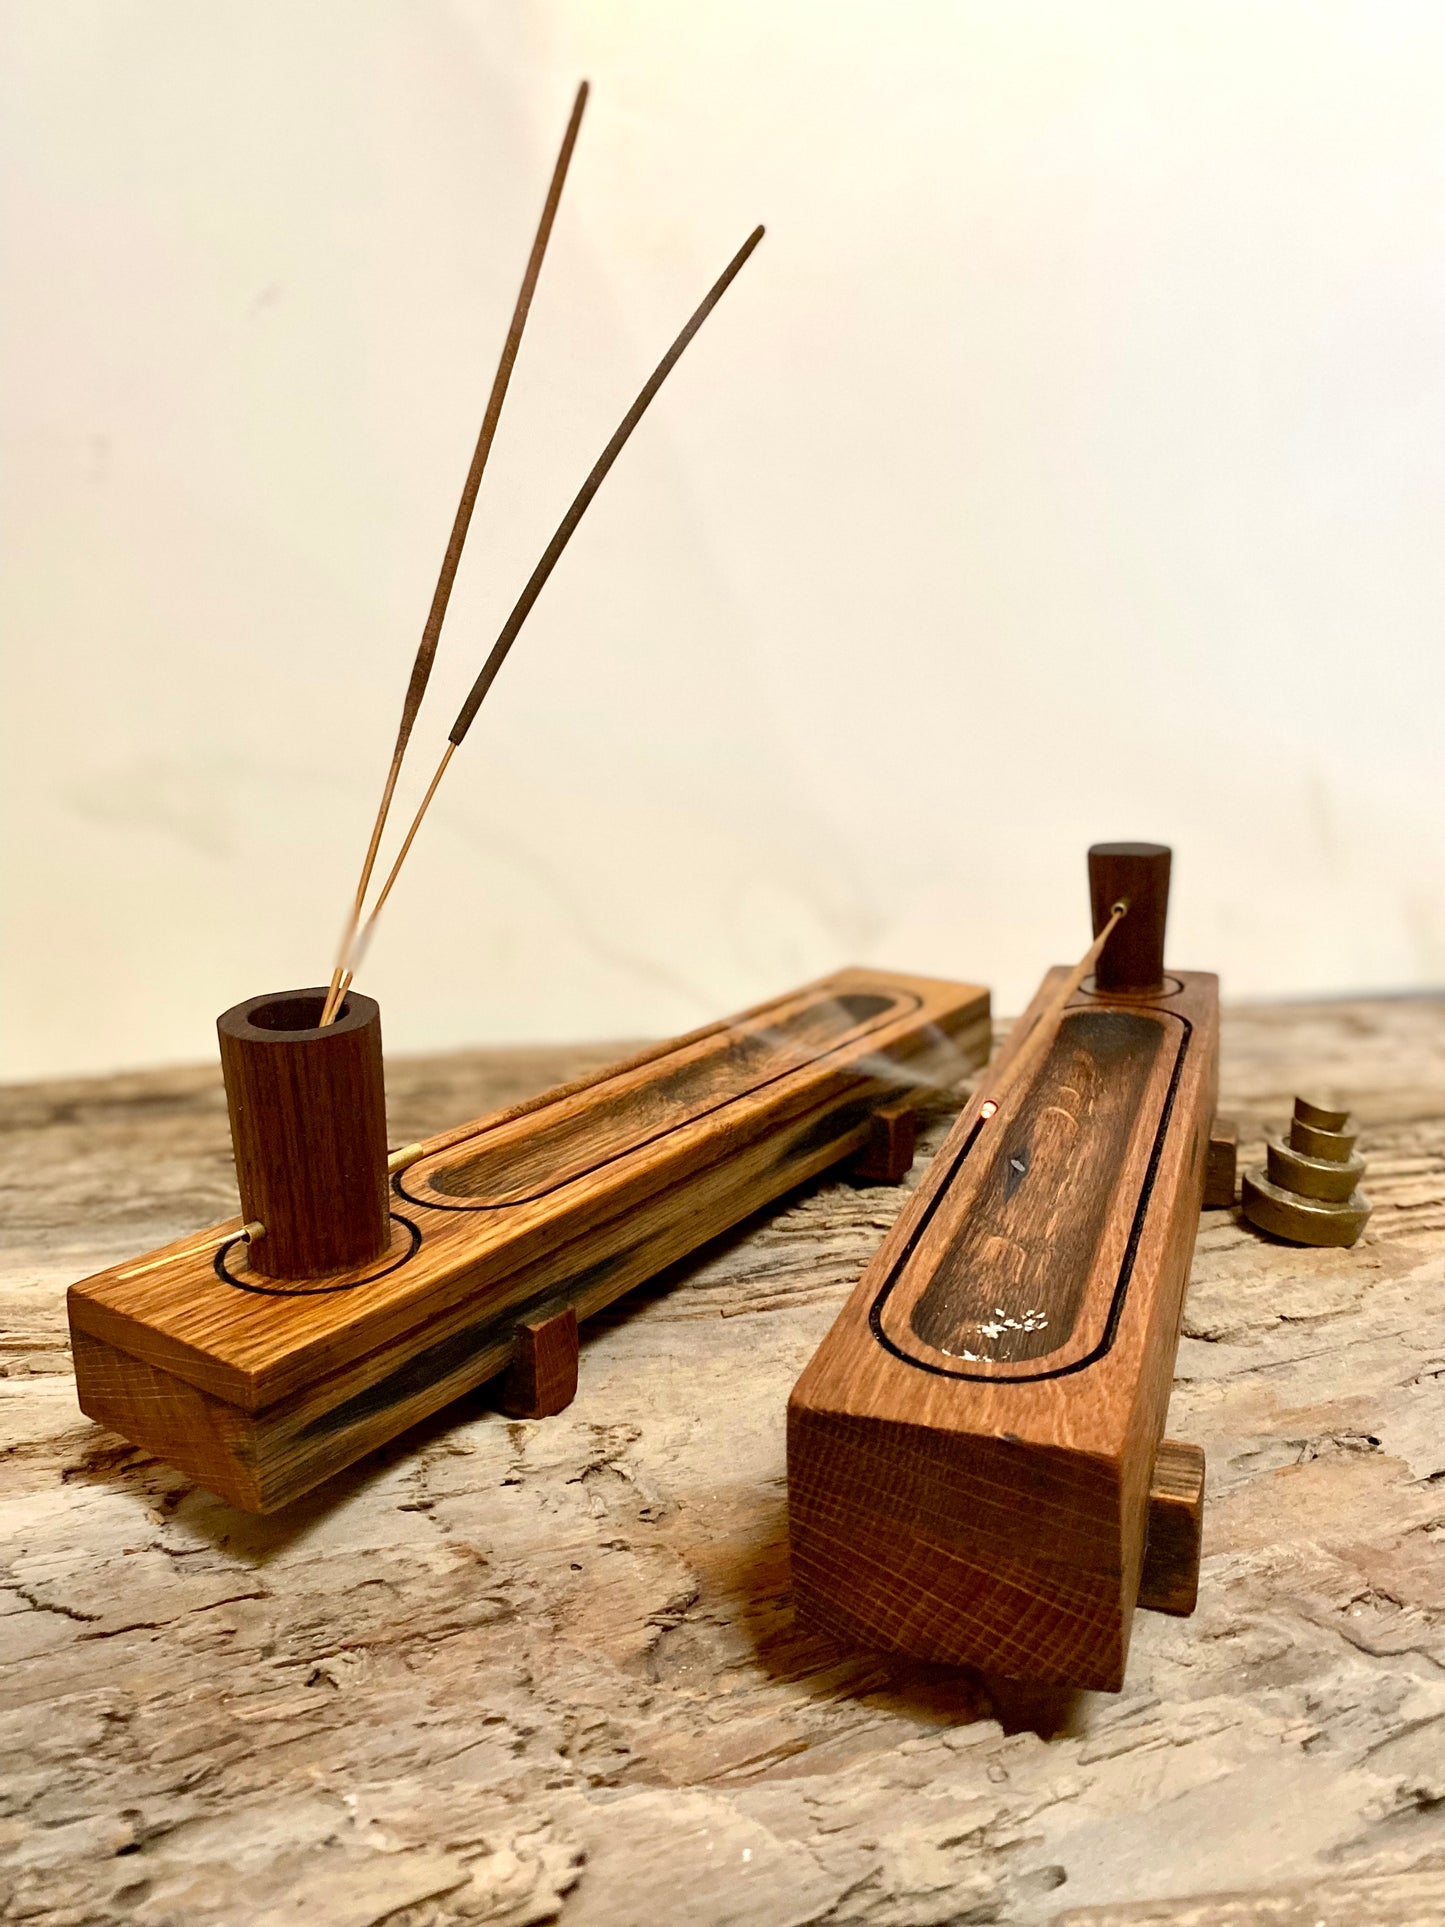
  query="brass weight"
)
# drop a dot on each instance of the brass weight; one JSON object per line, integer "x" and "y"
{"x": 1312, "y": 1177}
{"x": 1306, "y": 1191}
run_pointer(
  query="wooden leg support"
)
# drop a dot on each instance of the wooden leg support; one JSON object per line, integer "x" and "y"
{"x": 887, "y": 1157}
{"x": 1219, "y": 1171}
{"x": 1170, "y": 1582}
{"x": 542, "y": 1377}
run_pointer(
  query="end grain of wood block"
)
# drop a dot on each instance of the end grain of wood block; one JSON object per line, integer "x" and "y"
{"x": 542, "y": 1377}
{"x": 887, "y": 1157}
{"x": 1170, "y": 1579}
{"x": 1220, "y": 1167}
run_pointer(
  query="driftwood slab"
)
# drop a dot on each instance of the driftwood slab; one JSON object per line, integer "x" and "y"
{"x": 511, "y": 1670}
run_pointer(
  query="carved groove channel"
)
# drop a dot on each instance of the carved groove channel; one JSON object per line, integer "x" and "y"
{"x": 1031, "y": 1279}
{"x": 536, "y": 1156}
{"x": 1010, "y": 1286}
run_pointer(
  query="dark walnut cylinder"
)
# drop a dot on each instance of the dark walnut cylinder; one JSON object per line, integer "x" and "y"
{"x": 308, "y": 1123}
{"x": 1137, "y": 874}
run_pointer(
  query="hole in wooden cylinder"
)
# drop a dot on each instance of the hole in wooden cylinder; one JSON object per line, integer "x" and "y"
{"x": 293, "y": 1012}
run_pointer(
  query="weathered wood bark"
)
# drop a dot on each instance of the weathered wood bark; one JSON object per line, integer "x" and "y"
{"x": 511, "y": 1671}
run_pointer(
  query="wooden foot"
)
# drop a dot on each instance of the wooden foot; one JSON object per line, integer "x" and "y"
{"x": 887, "y": 1157}
{"x": 1219, "y": 1170}
{"x": 542, "y": 1377}
{"x": 1170, "y": 1582}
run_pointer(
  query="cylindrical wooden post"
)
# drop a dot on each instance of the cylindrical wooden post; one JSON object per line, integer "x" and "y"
{"x": 308, "y": 1123}
{"x": 1133, "y": 958}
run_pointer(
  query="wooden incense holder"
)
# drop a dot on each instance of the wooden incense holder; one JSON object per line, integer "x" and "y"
{"x": 502, "y": 1234}
{"x": 975, "y": 1467}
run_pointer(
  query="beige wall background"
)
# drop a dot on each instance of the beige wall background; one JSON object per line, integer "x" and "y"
{"x": 1069, "y": 462}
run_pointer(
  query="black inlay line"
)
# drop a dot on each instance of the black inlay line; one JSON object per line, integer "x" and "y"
{"x": 1170, "y": 987}
{"x": 1126, "y": 1267}
{"x": 228, "y": 1277}
{"x": 907, "y": 1004}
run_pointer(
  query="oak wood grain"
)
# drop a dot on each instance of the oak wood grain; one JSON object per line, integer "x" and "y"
{"x": 971, "y": 1448}
{"x": 510, "y": 1219}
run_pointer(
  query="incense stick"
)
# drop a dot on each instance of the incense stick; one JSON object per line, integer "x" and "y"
{"x": 426, "y": 651}
{"x": 590, "y": 487}
{"x": 550, "y": 555}
{"x": 1047, "y": 1022}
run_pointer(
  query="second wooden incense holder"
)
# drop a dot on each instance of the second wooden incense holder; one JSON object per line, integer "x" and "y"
{"x": 260, "y": 1369}
{"x": 975, "y": 1467}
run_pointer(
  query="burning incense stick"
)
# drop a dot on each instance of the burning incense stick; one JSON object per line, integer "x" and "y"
{"x": 426, "y": 651}
{"x": 1045, "y": 1026}
{"x": 512, "y": 627}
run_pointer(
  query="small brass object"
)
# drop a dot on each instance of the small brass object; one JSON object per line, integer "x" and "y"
{"x": 1312, "y": 1177}
{"x": 1317, "y": 1142}
{"x": 1307, "y": 1190}
{"x": 1324, "y": 1117}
